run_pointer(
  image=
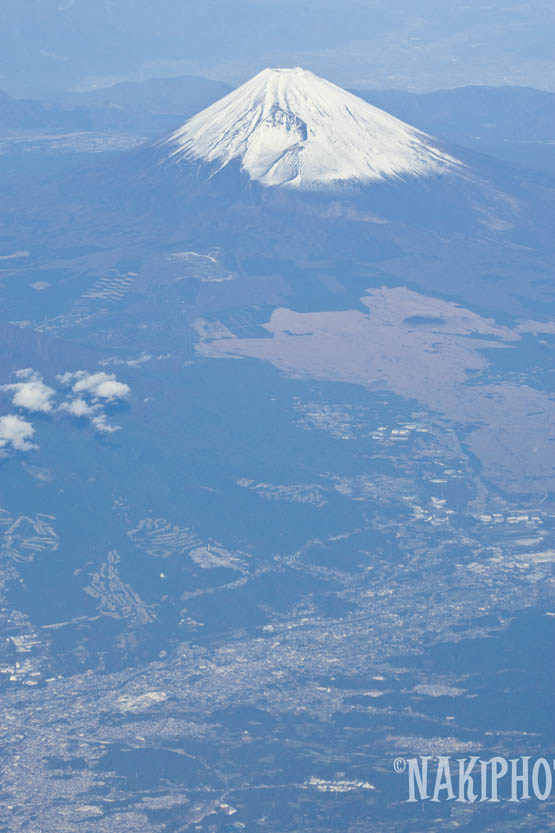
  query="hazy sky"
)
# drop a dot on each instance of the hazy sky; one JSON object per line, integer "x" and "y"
{"x": 410, "y": 44}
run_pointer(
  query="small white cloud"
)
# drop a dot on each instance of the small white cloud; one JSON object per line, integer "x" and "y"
{"x": 26, "y": 373}
{"x": 101, "y": 424}
{"x": 111, "y": 390}
{"x": 16, "y": 432}
{"x": 32, "y": 394}
{"x": 79, "y": 408}
{"x": 99, "y": 385}
{"x": 65, "y": 378}
{"x": 93, "y": 391}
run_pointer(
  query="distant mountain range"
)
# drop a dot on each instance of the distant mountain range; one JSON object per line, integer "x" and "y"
{"x": 516, "y": 124}
{"x": 512, "y": 123}
{"x": 149, "y": 107}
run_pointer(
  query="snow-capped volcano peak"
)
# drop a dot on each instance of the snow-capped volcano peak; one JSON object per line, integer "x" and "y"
{"x": 289, "y": 127}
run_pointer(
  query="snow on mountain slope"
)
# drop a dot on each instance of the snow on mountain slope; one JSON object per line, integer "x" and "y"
{"x": 288, "y": 127}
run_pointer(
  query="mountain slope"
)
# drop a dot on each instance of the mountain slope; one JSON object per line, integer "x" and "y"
{"x": 288, "y": 127}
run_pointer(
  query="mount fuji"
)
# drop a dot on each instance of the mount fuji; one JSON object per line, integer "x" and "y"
{"x": 290, "y": 174}
{"x": 290, "y": 128}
